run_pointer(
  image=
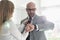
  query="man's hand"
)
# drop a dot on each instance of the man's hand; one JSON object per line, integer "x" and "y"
{"x": 29, "y": 27}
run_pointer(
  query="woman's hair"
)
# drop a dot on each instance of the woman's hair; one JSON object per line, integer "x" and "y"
{"x": 6, "y": 10}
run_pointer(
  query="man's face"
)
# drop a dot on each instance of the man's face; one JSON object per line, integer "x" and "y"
{"x": 31, "y": 10}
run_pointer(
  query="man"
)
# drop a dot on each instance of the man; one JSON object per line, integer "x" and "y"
{"x": 38, "y": 24}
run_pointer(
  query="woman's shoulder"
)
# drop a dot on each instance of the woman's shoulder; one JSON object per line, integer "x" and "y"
{"x": 8, "y": 24}
{"x": 5, "y": 27}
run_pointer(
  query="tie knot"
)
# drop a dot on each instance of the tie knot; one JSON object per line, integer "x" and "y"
{"x": 29, "y": 21}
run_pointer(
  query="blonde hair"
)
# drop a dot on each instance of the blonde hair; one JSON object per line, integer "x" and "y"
{"x": 6, "y": 9}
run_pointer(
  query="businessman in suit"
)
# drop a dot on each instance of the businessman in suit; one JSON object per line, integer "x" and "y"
{"x": 38, "y": 24}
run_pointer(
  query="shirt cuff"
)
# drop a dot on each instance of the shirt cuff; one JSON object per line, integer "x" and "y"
{"x": 36, "y": 27}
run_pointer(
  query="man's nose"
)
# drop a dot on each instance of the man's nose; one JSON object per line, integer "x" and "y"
{"x": 31, "y": 11}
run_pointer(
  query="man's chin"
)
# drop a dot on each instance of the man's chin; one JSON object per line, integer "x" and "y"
{"x": 31, "y": 16}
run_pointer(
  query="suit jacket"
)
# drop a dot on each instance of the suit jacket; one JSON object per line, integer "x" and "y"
{"x": 41, "y": 25}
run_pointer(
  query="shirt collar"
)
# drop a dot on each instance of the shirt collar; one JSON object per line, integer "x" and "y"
{"x": 32, "y": 17}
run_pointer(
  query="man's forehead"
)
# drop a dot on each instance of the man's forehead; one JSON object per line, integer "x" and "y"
{"x": 31, "y": 5}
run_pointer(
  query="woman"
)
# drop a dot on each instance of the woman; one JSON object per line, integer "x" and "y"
{"x": 8, "y": 30}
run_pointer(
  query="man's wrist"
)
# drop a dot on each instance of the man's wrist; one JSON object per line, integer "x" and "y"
{"x": 36, "y": 27}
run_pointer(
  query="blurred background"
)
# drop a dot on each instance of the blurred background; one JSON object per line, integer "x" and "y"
{"x": 48, "y": 8}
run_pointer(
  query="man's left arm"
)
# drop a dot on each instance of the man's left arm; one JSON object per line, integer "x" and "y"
{"x": 43, "y": 25}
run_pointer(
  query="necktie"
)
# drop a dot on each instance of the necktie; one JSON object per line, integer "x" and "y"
{"x": 29, "y": 21}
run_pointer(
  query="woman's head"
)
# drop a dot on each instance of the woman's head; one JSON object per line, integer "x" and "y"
{"x": 6, "y": 10}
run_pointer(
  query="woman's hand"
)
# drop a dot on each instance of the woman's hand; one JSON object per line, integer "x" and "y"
{"x": 29, "y": 28}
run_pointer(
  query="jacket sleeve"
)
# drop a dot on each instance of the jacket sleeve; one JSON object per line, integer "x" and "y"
{"x": 16, "y": 33}
{"x": 43, "y": 25}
